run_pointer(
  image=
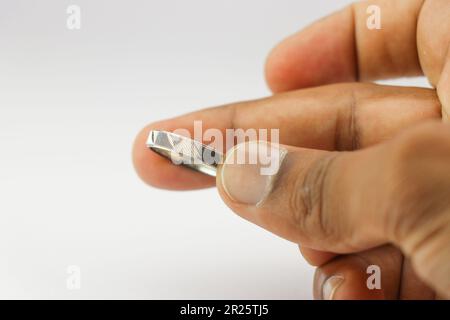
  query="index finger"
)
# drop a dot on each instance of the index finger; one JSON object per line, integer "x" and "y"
{"x": 335, "y": 117}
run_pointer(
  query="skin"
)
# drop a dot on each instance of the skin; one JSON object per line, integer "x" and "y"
{"x": 391, "y": 137}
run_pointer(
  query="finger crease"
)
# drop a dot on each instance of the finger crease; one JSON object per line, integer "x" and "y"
{"x": 315, "y": 183}
{"x": 353, "y": 128}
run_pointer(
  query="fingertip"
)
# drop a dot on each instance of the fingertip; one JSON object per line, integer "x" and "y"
{"x": 323, "y": 53}
{"x": 277, "y": 69}
{"x": 286, "y": 65}
{"x": 344, "y": 279}
{"x": 158, "y": 171}
{"x": 145, "y": 161}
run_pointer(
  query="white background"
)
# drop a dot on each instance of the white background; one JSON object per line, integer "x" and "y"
{"x": 71, "y": 103}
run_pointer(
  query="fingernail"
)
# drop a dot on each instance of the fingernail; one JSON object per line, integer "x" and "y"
{"x": 249, "y": 171}
{"x": 330, "y": 287}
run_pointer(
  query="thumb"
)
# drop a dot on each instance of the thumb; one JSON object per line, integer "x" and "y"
{"x": 351, "y": 201}
{"x": 323, "y": 200}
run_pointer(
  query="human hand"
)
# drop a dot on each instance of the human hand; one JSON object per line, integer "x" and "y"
{"x": 394, "y": 191}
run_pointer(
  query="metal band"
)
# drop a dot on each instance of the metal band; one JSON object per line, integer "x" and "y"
{"x": 184, "y": 151}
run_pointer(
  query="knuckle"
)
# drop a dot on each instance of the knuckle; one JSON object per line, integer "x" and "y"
{"x": 307, "y": 201}
{"x": 419, "y": 178}
{"x": 298, "y": 201}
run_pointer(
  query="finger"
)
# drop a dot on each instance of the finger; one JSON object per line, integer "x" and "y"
{"x": 411, "y": 287}
{"x": 349, "y": 202}
{"x": 335, "y": 117}
{"x": 370, "y": 275}
{"x": 341, "y": 48}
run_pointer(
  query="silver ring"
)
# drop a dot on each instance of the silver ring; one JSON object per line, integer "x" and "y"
{"x": 184, "y": 151}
